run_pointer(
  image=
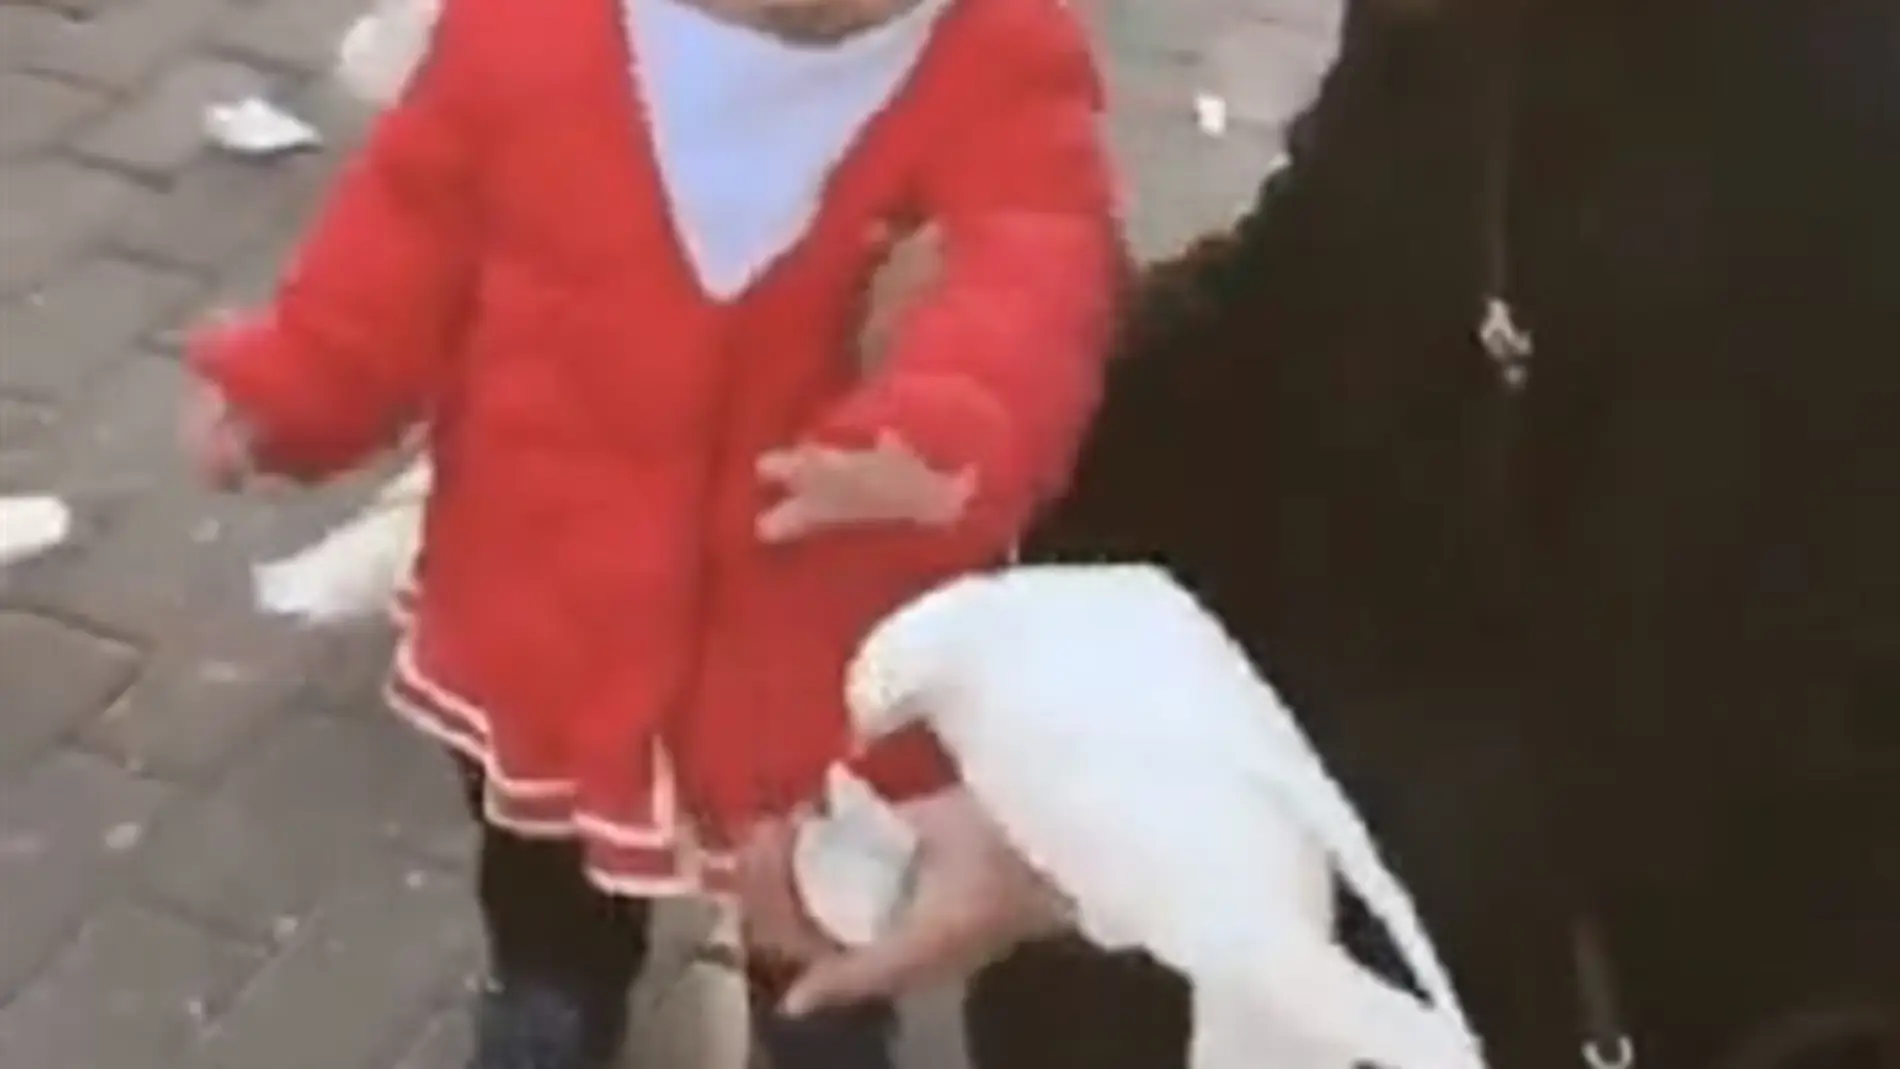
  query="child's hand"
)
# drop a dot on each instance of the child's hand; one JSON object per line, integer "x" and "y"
{"x": 827, "y": 488}
{"x": 776, "y": 925}
{"x": 214, "y": 438}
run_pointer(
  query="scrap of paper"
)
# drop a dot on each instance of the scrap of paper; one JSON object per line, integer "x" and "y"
{"x": 29, "y": 526}
{"x": 256, "y": 127}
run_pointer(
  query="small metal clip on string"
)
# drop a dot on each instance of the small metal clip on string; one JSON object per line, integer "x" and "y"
{"x": 1507, "y": 343}
{"x": 1606, "y": 1043}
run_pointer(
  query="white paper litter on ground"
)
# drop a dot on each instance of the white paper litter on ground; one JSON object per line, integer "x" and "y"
{"x": 1210, "y": 113}
{"x": 256, "y": 127}
{"x": 29, "y": 526}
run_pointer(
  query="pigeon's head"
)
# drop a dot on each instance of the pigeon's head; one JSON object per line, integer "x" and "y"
{"x": 905, "y": 668}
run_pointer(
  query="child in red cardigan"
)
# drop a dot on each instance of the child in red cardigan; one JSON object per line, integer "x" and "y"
{"x": 615, "y": 252}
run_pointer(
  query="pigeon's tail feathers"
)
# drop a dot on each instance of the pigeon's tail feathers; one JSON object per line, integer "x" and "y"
{"x": 351, "y": 573}
{"x": 1305, "y": 983}
{"x": 1332, "y": 818}
{"x": 383, "y": 48}
{"x": 1298, "y": 776}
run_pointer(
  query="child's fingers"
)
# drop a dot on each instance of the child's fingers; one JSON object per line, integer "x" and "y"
{"x": 796, "y": 517}
{"x": 210, "y": 439}
{"x": 804, "y": 464}
{"x": 938, "y": 936}
{"x": 780, "y": 465}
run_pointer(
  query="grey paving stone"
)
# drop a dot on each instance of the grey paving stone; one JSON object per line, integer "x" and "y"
{"x": 56, "y": 679}
{"x": 446, "y": 1042}
{"x": 125, "y": 43}
{"x": 136, "y": 565}
{"x": 24, "y": 32}
{"x": 348, "y": 669}
{"x": 158, "y": 130}
{"x": 1140, "y": 29}
{"x": 58, "y": 339}
{"x": 51, "y": 215}
{"x": 299, "y": 34}
{"x": 1183, "y": 183}
{"x": 360, "y": 978}
{"x": 147, "y": 560}
{"x": 77, "y": 9}
{"x": 26, "y": 428}
{"x": 427, "y": 817}
{"x": 1268, "y": 70}
{"x": 133, "y": 992}
{"x": 252, "y": 279}
{"x": 70, "y": 829}
{"x": 202, "y": 698}
{"x": 222, "y": 208}
{"x": 698, "y": 1020}
{"x": 124, "y": 431}
{"x": 37, "y": 112}
{"x": 297, "y": 818}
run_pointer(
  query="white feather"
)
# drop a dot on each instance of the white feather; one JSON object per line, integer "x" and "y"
{"x": 354, "y": 571}
{"x": 1131, "y": 752}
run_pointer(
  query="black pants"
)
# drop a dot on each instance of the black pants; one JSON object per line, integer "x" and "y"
{"x": 546, "y": 923}
{"x": 1062, "y": 1005}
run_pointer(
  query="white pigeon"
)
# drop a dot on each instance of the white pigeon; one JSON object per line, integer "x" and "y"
{"x": 354, "y": 571}
{"x": 1131, "y": 753}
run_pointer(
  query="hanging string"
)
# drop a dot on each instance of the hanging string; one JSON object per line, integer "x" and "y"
{"x": 1606, "y": 1042}
{"x": 1507, "y": 344}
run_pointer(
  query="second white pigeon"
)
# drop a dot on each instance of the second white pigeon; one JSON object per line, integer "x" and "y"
{"x": 355, "y": 570}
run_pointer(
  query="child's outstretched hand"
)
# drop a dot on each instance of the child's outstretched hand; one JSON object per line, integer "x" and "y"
{"x": 827, "y": 487}
{"x": 214, "y": 438}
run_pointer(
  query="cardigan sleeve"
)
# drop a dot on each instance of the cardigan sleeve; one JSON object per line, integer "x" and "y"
{"x": 350, "y": 349}
{"x": 996, "y": 370}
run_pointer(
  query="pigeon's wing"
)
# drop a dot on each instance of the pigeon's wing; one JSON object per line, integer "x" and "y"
{"x": 1133, "y": 842}
{"x": 1307, "y": 985}
{"x": 1082, "y": 721}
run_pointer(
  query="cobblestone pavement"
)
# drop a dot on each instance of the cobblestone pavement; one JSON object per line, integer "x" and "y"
{"x": 216, "y": 851}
